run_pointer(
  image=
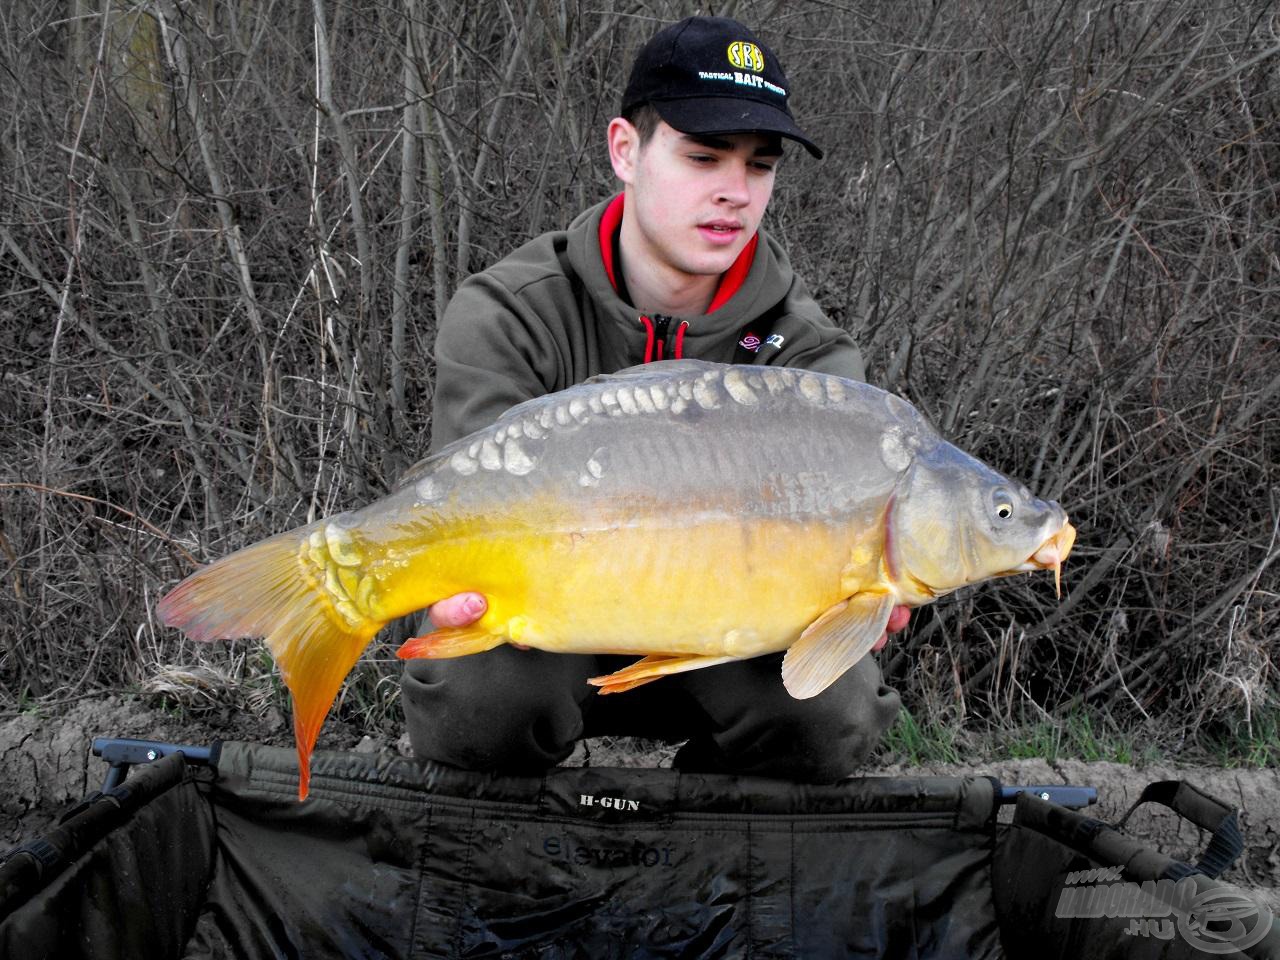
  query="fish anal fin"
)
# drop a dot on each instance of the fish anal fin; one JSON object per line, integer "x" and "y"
{"x": 652, "y": 668}
{"x": 834, "y": 642}
{"x": 449, "y": 642}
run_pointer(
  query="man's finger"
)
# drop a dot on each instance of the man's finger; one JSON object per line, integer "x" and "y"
{"x": 460, "y": 610}
{"x": 898, "y": 619}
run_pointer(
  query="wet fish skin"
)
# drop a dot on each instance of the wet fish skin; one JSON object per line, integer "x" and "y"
{"x": 646, "y": 513}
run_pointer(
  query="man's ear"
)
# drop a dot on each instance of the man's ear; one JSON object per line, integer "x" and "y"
{"x": 624, "y": 148}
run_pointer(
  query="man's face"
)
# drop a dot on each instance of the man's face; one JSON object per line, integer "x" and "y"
{"x": 693, "y": 201}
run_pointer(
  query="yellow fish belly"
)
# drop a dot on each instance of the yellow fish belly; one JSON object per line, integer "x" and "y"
{"x": 721, "y": 586}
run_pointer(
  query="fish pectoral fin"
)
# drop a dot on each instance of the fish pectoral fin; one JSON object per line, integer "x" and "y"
{"x": 650, "y": 669}
{"x": 835, "y": 642}
{"x": 449, "y": 642}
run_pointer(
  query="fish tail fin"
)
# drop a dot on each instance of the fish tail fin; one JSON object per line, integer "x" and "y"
{"x": 266, "y": 591}
{"x": 314, "y": 659}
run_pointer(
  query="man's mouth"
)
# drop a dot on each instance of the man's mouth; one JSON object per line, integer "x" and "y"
{"x": 720, "y": 231}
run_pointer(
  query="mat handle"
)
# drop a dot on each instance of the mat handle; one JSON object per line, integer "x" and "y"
{"x": 1226, "y": 842}
{"x": 121, "y": 753}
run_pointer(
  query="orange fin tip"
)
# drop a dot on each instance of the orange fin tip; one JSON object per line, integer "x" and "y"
{"x": 449, "y": 642}
{"x": 652, "y": 668}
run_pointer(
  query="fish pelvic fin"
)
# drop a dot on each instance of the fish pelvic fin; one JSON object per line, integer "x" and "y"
{"x": 265, "y": 590}
{"x": 449, "y": 642}
{"x": 833, "y": 643}
{"x": 650, "y": 669}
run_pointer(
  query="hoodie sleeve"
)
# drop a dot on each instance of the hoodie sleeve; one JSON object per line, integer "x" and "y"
{"x": 838, "y": 355}
{"x": 492, "y": 352}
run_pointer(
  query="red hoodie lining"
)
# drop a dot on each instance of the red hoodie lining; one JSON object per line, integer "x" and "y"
{"x": 649, "y": 335}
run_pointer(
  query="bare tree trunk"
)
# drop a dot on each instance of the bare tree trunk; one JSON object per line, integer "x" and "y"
{"x": 177, "y": 52}
{"x": 498, "y": 105}
{"x": 409, "y": 135}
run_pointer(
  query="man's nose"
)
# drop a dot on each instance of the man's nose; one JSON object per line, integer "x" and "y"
{"x": 733, "y": 187}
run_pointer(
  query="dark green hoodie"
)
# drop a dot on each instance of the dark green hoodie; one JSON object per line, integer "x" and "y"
{"x": 549, "y": 316}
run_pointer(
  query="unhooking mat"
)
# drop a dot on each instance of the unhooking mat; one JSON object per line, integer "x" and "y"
{"x": 395, "y": 859}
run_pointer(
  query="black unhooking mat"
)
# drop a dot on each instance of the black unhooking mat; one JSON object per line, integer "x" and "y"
{"x": 390, "y": 858}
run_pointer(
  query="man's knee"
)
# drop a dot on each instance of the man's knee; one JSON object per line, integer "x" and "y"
{"x": 822, "y": 739}
{"x": 830, "y": 737}
{"x": 486, "y": 712}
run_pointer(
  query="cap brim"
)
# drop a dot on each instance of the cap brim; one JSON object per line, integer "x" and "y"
{"x": 727, "y": 115}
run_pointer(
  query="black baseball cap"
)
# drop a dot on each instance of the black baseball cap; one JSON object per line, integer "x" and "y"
{"x": 711, "y": 75}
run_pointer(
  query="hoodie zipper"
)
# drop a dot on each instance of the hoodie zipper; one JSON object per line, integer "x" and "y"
{"x": 658, "y": 344}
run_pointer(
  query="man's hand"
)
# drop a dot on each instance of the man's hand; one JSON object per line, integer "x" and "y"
{"x": 460, "y": 610}
{"x": 898, "y": 619}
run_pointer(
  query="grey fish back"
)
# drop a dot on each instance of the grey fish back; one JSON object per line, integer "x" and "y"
{"x": 772, "y": 439}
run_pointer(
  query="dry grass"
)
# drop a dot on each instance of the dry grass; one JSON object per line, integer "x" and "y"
{"x": 228, "y": 229}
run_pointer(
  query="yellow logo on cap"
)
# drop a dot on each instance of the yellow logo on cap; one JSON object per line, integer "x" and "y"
{"x": 746, "y": 56}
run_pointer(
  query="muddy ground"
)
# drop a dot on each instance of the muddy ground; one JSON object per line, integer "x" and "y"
{"x": 48, "y": 767}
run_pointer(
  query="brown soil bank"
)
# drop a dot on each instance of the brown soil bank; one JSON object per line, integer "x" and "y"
{"x": 47, "y": 766}
{"x": 1256, "y": 793}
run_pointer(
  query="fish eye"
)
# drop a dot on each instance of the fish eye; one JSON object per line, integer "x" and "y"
{"x": 1002, "y": 503}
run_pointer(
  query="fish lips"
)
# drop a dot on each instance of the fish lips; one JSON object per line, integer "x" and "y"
{"x": 1050, "y": 554}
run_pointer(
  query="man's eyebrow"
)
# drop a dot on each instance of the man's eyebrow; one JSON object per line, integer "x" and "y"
{"x": 708, "y": 141}
{"x": 771, "y": 148}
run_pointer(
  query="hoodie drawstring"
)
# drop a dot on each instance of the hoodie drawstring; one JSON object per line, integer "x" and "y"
{"x": 656, "y": 338}
{"x": 684, "y": 325}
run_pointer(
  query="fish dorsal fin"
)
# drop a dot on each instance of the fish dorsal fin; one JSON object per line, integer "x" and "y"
{"x": 685, "y": 365}
{"x": 835, "y": 642}
{"x": 415, "y": 472}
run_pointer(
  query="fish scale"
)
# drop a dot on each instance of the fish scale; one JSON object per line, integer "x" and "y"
{"x": 658, "y": 433}
{"x": 687, "y": 513}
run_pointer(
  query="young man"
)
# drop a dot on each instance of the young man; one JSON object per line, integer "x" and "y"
{"x": 675, "y": 266}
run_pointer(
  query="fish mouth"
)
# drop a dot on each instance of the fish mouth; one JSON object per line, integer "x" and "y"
{"x": 1050, "y": 554}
